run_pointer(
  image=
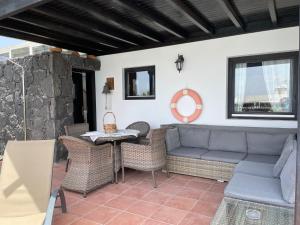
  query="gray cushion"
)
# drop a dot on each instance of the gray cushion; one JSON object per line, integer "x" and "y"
{"x": 256, "y": 189}
{"x": 194, "y": 137}
{"x": 233, "y": 141}
{"x": 289, "y": 146}
{"x": 223, "y": 156}
{"x": 188, "y": 152}
{"x": 255, "y": 168}
{"x": 266, "y": 144}
{"x": 288, "y": 178}
{"x": 172, "y": 138}
{"x": 262, "y": 158}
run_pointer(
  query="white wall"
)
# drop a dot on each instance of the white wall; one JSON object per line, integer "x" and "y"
{"x": 205, "y": 70}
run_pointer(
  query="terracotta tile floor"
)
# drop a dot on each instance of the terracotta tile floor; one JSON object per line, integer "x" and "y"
{"x": 182, "y": 200}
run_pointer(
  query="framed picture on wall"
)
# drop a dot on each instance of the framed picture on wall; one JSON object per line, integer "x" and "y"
{"x": 139, "y": 83}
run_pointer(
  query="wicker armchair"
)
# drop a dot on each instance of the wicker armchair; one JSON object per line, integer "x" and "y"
{"x": 151, "y": 157}
{"x": 141, "y": 126}
{"x": 75, "y": 130}
{"x": 91, "y": 166}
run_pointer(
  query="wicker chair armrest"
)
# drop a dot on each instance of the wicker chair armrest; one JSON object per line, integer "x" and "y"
{"x": 131, "y": 147}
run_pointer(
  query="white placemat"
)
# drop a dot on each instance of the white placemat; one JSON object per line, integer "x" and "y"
{"x": 100, "y": 134}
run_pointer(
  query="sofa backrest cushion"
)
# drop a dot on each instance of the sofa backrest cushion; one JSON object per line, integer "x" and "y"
{"x": 194, "y": 137}
{"x": 172, "y": 138}
{"x": 265, "y": 143}
{"x": 288, "y": 179}
{"x": 289, "y": 146}
{"x": 234, "y": 141}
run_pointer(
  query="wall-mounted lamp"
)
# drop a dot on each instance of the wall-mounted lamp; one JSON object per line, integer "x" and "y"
{"x": 106, "y": 91}
{"x": 179, "y": 63}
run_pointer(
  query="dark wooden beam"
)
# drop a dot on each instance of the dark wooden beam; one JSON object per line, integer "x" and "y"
{"x": 12, "y": 7}
{"x": 48, "y": 24}
{"x": 155, "y": 16}
{"x": 232, "y": 13}
{"x": 102, "y": 15}
{"x": 98, "y": 28}
{"x": 44, "y": 40}
{"x": 193, "y": 15}
{"x": 42, "y": 32}
{"x": 273, "y": 11}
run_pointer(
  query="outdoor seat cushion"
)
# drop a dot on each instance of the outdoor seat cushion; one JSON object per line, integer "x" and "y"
{"x": 223, "y": 156}
{"x": 288, "y": 178}
{"x": 256, "y": 189}
{"x": 225, "y": 140}
{"x": 172, "y": 138}
{"x": 272, "y": 159}
{"x": 194, "y": 137}
{"x": 289, "y": 146}
{"x": 188, "y": 152}
{"x": 255, "y": 168}
{"x": 265, "y": 143}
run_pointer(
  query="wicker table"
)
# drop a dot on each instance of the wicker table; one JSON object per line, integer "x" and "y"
{"x": 235, "y": 212}
{"x": 122, "y": 135}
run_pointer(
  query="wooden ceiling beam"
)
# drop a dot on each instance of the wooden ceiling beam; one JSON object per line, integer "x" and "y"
{"x": 102, "y": 15}
{"x": 193, "y": 15}
{"x": 12, "y": 7}
{"x": 99, "y": 28}
{"x": 45, "y": 40}
{"x": 273, "y": 11}
{"x": 158, "y": 18}
{"x": 232, "y": 13}
{"x": 38, "y": 31}
{"x": 60, "y": 28}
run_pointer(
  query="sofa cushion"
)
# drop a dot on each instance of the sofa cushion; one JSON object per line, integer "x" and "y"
{"x": 265, "y": 144}
{"x": 223, "y": 156}
{"x": 255, "y": 168}
{"x": 272, "y": 159}
{"x": 194, "y": 137}
{"x": 172, "y": 139}
{"x": 256, "y": 189}
{"x": 289, "y": 146}
{"x": 225, "y": 140}
{"x": 288, "y": 178}
{"x": 188, "y": 152}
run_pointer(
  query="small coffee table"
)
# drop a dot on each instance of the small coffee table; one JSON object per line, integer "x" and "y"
{"x": 239, "y": 212}
{"x": 121, "y": 135}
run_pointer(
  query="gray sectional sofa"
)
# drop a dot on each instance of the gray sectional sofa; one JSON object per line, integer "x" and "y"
{"x": 214, "y": 151}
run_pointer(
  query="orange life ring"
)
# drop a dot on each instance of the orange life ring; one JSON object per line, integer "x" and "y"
{"x": 196, "y": 97}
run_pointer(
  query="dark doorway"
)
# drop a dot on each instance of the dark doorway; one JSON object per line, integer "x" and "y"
{"x": 84, "y": 104}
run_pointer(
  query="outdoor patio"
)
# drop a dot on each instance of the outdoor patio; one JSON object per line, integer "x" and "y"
{"x": 180, "y": 199}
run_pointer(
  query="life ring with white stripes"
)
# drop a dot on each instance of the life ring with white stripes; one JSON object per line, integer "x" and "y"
{"x": 199, "y": 105}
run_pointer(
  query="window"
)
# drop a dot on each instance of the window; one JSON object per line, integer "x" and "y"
{"x": 20, "y": 52}
{"x": 263, "y": 86}
{"x": 5, "y": 54}
{"x": 40, "y": 49}
{"x": 140, "y": 83}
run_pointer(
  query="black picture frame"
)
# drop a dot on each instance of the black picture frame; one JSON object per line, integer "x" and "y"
{"x": 294, "y": 55}
{"x": 151, "y": 71}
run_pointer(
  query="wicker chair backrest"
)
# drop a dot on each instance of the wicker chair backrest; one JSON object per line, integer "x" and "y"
{"x": 141, "y": 126}
{"x": 74, "y": 144}
{"x": 157, "y": 139}
{"x": 75, "y": 130}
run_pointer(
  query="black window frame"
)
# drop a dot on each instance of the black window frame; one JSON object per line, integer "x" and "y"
{"x": 294, "y": 55}
{"x": 151, "y": 70}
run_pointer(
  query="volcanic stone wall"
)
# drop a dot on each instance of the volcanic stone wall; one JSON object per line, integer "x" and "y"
{"x": 49, "y": 96}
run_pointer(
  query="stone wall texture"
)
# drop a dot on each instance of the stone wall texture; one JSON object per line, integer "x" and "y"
{"x": 49, "y": 96}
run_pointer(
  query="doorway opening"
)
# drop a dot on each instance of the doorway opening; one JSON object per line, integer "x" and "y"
{"x": 84, "y": 103}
